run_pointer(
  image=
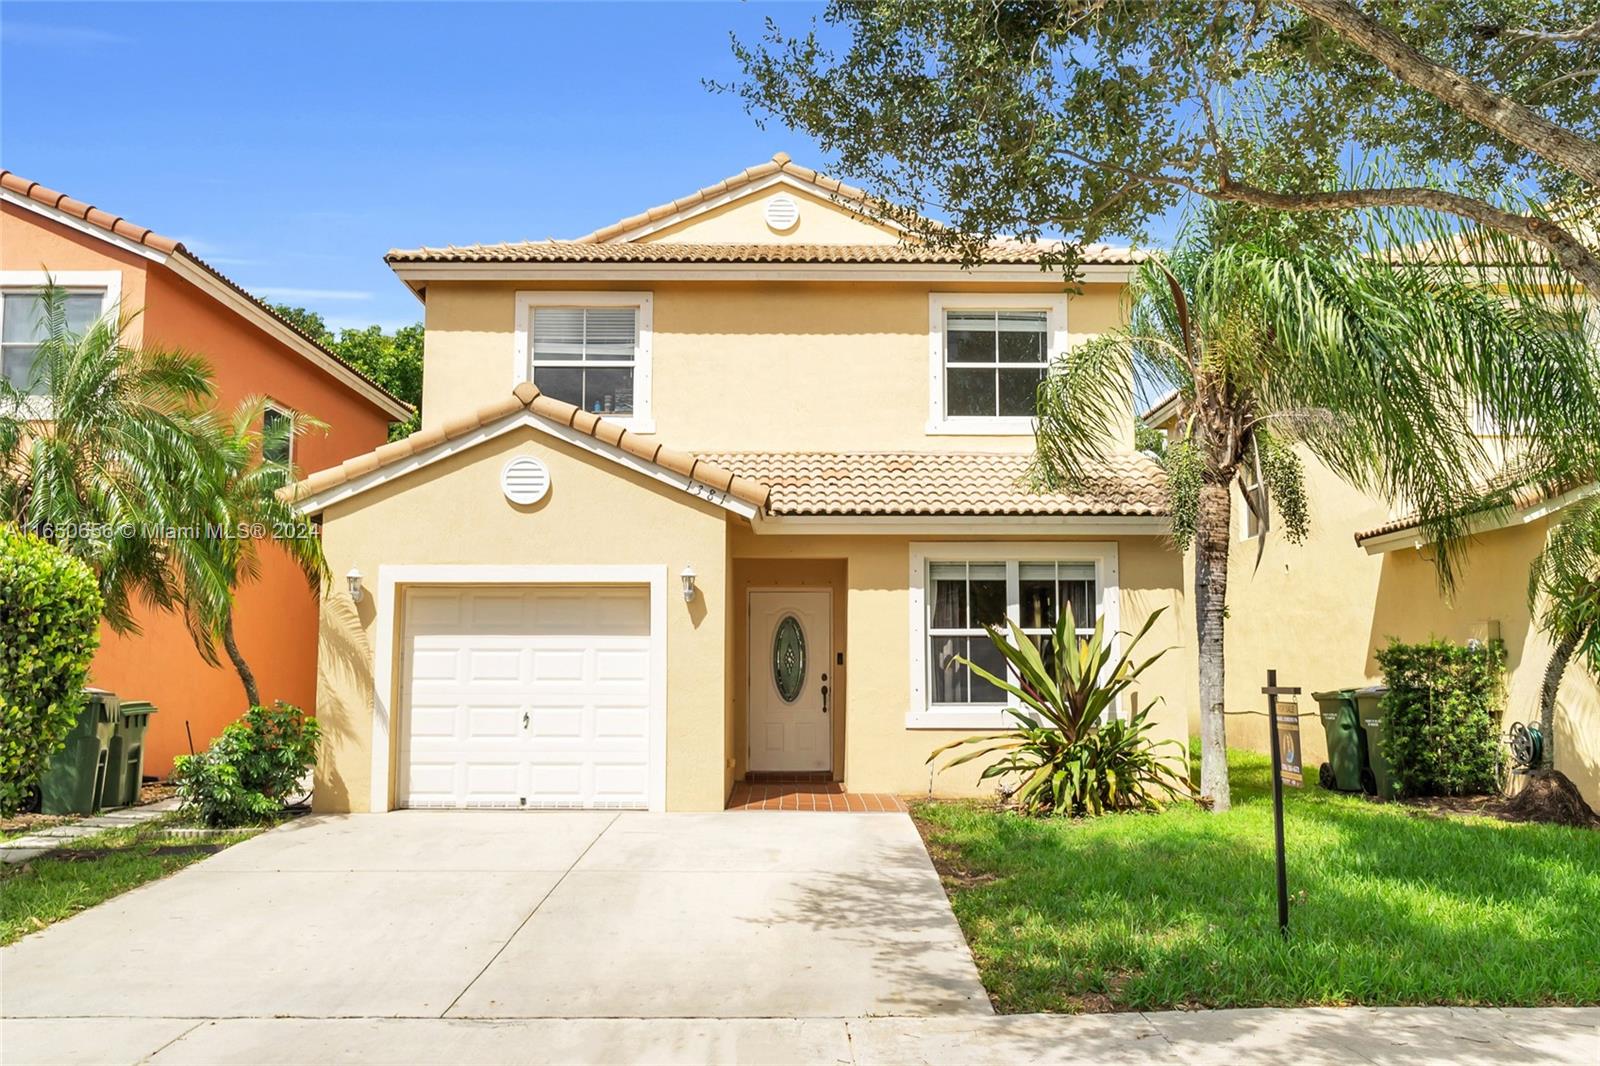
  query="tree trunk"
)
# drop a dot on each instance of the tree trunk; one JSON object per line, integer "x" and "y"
{"x": 1560, "y": 655}
{"x": 1213, "y": 523}
{"x": 247, "y": 678}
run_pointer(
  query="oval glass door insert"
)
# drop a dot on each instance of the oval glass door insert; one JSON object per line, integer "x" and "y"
{"x": 789, "y": 658}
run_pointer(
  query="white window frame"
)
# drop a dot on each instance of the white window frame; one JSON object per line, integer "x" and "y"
{"x": 108, "y": 283}
{"x": 1055, "y": 307}
{"x": 287, "y": 412}
{"x": 1102, "y": 554}
{"x": 642, "y": 419}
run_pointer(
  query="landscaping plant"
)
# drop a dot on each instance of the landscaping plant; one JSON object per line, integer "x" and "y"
{"x": 1564, "y": 597}
{"x": 252, "y": 769}
{"x": 1069, "y": 755}
{"x": 49, "y": 630}
{"x": 1444, "y": 705}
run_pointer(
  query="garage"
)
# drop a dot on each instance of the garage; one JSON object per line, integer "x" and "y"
{"x": 529, "y": 696}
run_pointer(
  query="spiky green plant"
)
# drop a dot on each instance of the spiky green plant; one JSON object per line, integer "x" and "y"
{"x": 1564, "y": 594}
{"x": 1068, "y": 753}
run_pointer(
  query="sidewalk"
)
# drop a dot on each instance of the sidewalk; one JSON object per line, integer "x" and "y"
{"x": 23, "y": 848}
{"x": 1397, "y": 1035}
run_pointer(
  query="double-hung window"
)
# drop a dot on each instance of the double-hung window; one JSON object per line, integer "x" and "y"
{"x": 591, "y": 350}
{"x": 988, "y": 355}
{"x": 958, "y": 589}
{"x": 277, "y": 436}
{"x": 23, "y": 328}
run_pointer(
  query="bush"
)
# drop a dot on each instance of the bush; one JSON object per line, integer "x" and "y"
{"x": 1444, "y": 704}
{"x": 1064, "y": 758}
{"x": 49, "y": 629}
{"x": 252, "y": 769}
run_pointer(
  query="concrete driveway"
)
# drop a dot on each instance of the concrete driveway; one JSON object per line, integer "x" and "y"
{"x": 520, "y": 915}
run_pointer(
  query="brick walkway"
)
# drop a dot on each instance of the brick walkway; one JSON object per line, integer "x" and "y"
{"x": 21, "y": 849}
{"x": 795, "y": 792}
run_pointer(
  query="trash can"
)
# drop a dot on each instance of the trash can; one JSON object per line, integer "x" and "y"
{"x": 1347, "y": 756}
{"x": 125, "y": 761}
{"x": 73, "y": 781}
{"x": 1378, "y": 777}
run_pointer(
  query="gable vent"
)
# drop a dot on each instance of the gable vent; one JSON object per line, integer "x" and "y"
{"x": 525, "y": 480}
{"x": 782, "y": 213}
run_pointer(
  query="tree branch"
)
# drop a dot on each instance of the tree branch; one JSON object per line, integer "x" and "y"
{"x": 1517, "y": 123}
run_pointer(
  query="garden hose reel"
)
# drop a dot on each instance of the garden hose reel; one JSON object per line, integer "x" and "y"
{"x": 1527, "y": 747}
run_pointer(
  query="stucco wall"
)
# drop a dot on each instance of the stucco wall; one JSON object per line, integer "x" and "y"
{"x": 276, "y": 613}
{"x": 744, "y": 219}
{"x": 749, "y": 366}
{"x": 596, "y": 513}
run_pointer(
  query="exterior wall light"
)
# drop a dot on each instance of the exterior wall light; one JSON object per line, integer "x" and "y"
{"x": 687, "y": 577}
{"x": 352, "y": 581}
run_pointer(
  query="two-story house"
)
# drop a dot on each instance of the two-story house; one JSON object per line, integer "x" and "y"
{"x": 723, "y": 490}
{"x": 108, "y": 265}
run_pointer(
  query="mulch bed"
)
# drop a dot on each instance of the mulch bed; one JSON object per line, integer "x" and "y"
{"x": 1546, "y": 796}
{"x": 25, "y": 822}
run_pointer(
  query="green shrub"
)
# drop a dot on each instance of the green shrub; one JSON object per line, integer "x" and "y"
{"x": 49, "y": 630}
{"x": 1444, "y": 705}
{"x": 252, "y": 769}
{"x": 1064, "y": 758}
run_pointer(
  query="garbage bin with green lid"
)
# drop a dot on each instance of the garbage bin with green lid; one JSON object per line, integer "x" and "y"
{"x": 1347, "y": 756}
{"x": 1378, "y": 774}
{"x": 73, "y": 781}
{"x": 125, "y": 762}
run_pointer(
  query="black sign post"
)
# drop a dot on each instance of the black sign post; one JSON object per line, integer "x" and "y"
{"x": 1273, "y": 692}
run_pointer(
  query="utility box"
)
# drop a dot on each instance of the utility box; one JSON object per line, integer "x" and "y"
{"x": 1347, "y": 744}
{"x": 73, "y": 782}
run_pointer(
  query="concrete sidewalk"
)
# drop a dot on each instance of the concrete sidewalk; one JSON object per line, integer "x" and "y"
{"x": 1304, "y": 1037}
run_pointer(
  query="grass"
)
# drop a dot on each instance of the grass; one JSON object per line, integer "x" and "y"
{"x": 51, "y": 887}
{"x": 1389, "y": 906}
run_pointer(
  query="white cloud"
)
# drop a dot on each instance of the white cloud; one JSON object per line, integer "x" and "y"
{"x": 280, "y": 293}
{"x": 45, "y": 35}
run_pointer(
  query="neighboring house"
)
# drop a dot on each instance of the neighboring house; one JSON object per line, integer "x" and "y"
{"x": 720, "y": 490}
{"x": 1319, "y": 612}
{"x": 108, "y": 265}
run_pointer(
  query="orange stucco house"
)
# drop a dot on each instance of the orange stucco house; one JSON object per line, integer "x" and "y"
{"x": 106, "y": 262}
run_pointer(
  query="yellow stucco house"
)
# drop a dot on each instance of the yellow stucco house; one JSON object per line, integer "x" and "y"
{"x": 719, "y": 491}
{"x": 1320, "y": 611}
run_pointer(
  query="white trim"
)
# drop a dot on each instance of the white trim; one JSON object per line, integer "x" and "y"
{"x": 392, "y": 577}
{"x": 641, "y": 421}
{"x": 108, "y": 283}
{"x": 741, "y": 192}
{"x": 966, "y": 525}
{"x": 401, "y": 467}
{"x": 1412, "y": 536}
{"x": 73, "y": 222}
{"x": 203, "y": 279}
{"x": 418, "y": 274}
{"x": 1104, "y": 556}
{"x": 1055, "y": 306}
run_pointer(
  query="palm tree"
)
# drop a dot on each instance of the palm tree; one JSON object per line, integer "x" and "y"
{"x": 243, "y": 512}
{"x": 100, "y": 453}
{"x": 1386, "y": 368}
{"x": 1564, "y": 593}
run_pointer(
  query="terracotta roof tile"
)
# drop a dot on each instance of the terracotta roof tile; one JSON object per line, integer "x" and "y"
{"x": 940, "y": 483}
{"x": 1010, "y": 252}
{"x": 1518, "y": 497}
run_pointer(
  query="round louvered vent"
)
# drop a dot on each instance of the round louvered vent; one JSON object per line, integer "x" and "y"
{"x": 525, "y": 480}
{"x": 782, "y": 213}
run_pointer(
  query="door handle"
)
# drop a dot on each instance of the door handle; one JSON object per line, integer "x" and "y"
{"x": 824, "y": 699}
{"x": 524, "y": 719}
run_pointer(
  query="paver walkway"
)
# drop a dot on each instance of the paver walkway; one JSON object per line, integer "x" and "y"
{"x": 21, "y": 849}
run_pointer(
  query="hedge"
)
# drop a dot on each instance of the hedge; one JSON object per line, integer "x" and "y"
{"x": 1444, "y": 706}
{"x": 49, "y": 628}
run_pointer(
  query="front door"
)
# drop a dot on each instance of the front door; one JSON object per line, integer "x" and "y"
{"x": 791, "y": 697}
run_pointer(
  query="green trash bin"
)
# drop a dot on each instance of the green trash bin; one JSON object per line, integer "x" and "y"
{"x": 125, "y": 761}
{"x": 1347, "y": 755}
{"x": 73, "y": 781}
{"x": 1378, "y": 774}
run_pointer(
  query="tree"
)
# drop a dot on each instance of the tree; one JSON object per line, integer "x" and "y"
{"x": 1090, "y": 117}
{"x": 393, "y": 360}
{"x": 102, "y": 456}
{"x": 308, "y": 322}
{"x": 1564, "y": 594}
{"x": 1382, "y": 367}
{"x": 243, "y": 512}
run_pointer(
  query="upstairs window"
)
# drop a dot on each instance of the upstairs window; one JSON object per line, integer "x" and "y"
{"x": 591, "y": 350}
{"x": 988, "y": 353}
{"x": 277, "y": 445}
{"x": 23, "y": 328}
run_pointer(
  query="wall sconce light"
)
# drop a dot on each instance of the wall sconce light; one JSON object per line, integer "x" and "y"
{"x": 352, "y": 581}
{"x": 687, "y": 577}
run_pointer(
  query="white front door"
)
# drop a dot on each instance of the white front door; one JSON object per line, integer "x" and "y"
{"x": 527, "y": 696}
{"x": 791, "y": 696}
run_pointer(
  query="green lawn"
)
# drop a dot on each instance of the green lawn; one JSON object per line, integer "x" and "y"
{"x": 51, "y": 887}
{"x": 1390, "y": 906}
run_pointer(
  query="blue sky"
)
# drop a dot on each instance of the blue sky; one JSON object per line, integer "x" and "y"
{"x": 292, "y": 145}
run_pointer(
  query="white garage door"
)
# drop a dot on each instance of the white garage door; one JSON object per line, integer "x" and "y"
{"x": 527, "y": 696}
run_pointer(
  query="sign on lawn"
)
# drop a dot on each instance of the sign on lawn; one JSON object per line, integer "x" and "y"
{"x": 1289, "y": 743}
